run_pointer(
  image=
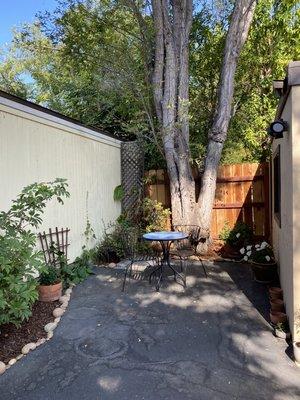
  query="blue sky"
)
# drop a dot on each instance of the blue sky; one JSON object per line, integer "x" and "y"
{"x": 16, "y": 12}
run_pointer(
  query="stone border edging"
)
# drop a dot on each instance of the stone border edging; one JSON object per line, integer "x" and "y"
{"x": 49, "y": 328}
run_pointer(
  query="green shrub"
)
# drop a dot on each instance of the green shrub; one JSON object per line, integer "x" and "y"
{"x": 125, "y": 235}
{"x": 79, "y": 270}
{"x": 20, "y": 263}
{"x": 152, "y": 216}
{"x": 238, "y": 236}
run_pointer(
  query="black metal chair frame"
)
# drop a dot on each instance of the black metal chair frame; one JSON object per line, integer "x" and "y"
{"x": 165, "y": 261}
{"x": 194, "y": 232}
{"x": 149, "y": 256}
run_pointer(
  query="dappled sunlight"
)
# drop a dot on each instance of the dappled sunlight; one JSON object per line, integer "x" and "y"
{"x": 207, "y": 341}
{"x": 109, "y": 383}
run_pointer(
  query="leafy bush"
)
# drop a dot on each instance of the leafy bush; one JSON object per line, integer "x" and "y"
{"x": 152, "y": 216}
{"x": 260, "y": 253}
{"x": 238, "y": 236}
{"x": 79, "y": 270}
{"x": 127, "y": 232}
{"x": 19, "y": 261}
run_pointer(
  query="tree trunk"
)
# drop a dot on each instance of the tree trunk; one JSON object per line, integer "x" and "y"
{"x": 172, "y": 21}
{"x": 238, "y": 31}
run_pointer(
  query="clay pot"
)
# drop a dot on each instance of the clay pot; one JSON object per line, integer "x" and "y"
{"x": 264, "y": 273}
{"x": 277, "y": 316}
{"x": 296, "y": 347}
{"x": 49, "y": 293}
{"x": 277, "y": 305}
{"x": 275, "y": 292}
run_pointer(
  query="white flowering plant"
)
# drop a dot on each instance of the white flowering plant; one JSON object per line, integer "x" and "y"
{"x": 260, "y": 253}
{"x": 237, "y": 236}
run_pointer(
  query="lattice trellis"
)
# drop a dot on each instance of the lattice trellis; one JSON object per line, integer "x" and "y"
{"x": 132, "y": 170}
{"x": 52, "y": 242}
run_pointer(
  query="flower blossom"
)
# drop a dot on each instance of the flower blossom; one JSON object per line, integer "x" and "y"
{"x": 238, "y": 235}
{"x": 268, "y": 258}
{"x": 248, "y": 253}
{"x": 242, "y": 250}
{"x": 245, "y": 258}
{"x": 249, "y": 247}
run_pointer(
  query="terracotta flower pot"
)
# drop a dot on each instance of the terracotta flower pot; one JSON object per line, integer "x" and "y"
{"x": 277, "y": 305}
{"x": 264, "y": 273}
{"x": 275, "y": 292}
{"x": 296, "y": 347}
{"x": 50, "y": 293}
{"x": 277, "y": 317}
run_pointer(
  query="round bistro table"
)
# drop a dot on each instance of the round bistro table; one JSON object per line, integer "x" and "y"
{"x": 165, "y": 239}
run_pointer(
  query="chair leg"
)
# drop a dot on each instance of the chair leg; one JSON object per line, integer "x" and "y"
{"x": 185, "y": 269}
{"x": 203, "y": 267}
{"x": 129, "y": 267}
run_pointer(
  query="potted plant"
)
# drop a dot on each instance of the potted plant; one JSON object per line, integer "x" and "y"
{"x": 262, "y": 261}
{"x": 240, "y": 235}
{"x": 50, "y": 288}
{"x": 281, "y": 330}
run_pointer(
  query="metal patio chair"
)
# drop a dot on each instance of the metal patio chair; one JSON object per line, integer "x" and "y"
{"x": 187, "y": 248}
{"x": 147, "y": 255}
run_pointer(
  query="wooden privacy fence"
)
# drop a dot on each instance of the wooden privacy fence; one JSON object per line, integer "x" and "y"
{"x": 242, "y": 194}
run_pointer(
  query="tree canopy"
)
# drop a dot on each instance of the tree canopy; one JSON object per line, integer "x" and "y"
{"x": 91, "y": 59}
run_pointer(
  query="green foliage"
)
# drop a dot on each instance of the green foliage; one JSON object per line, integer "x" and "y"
{"x": 261, "y": 253}
{"x": 19, "y": 261}
{"x": 79, "y": 270}
{"x": 113, "y": 245}
{"x": 238, "y": 236}
{"x": 283, "y": 327}
{"x": 50, "y": 276}
{"x": 127, "y": 232}
{"x": 90, "y": 60}
{"x": 152, "y": 216}
{"x": 119, "y": 193}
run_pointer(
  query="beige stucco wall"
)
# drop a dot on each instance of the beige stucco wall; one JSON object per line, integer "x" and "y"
{"x": 296, "y": 205}
{"x": 36, "y": 147}
{"x": 286, "y": 238}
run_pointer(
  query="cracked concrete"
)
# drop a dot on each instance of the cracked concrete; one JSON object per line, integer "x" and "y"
{"x": 210, "y": 341}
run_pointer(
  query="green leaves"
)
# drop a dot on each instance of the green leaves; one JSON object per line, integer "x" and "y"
{"x": 119, "y": 193}
{"x": 20, "y": 262}
{"x": 90, "y": 60}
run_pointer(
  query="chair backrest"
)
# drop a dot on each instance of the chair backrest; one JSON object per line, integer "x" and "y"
{"x": 130, "y": 238}
{"x": 194, "y": 238}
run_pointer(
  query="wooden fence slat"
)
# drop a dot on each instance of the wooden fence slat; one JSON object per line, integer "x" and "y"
{"x": 242, "y": 194}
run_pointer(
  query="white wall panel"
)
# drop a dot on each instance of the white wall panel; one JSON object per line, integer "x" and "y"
{"x": 34, "y": 149}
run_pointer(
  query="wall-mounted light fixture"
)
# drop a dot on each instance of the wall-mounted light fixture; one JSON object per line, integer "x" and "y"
{"x": 277, "y": 128}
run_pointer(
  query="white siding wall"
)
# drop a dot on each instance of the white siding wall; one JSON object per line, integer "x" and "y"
{"x": 37, "y": 147}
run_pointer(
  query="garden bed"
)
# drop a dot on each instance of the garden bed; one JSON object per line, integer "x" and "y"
{"x": 12, "y": 339}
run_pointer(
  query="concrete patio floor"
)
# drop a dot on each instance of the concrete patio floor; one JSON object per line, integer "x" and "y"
{"x": 211, "y": 341}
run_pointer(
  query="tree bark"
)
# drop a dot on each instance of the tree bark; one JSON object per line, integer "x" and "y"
{"x": 172, "y": 22}
{"x": 238, "y": 31}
